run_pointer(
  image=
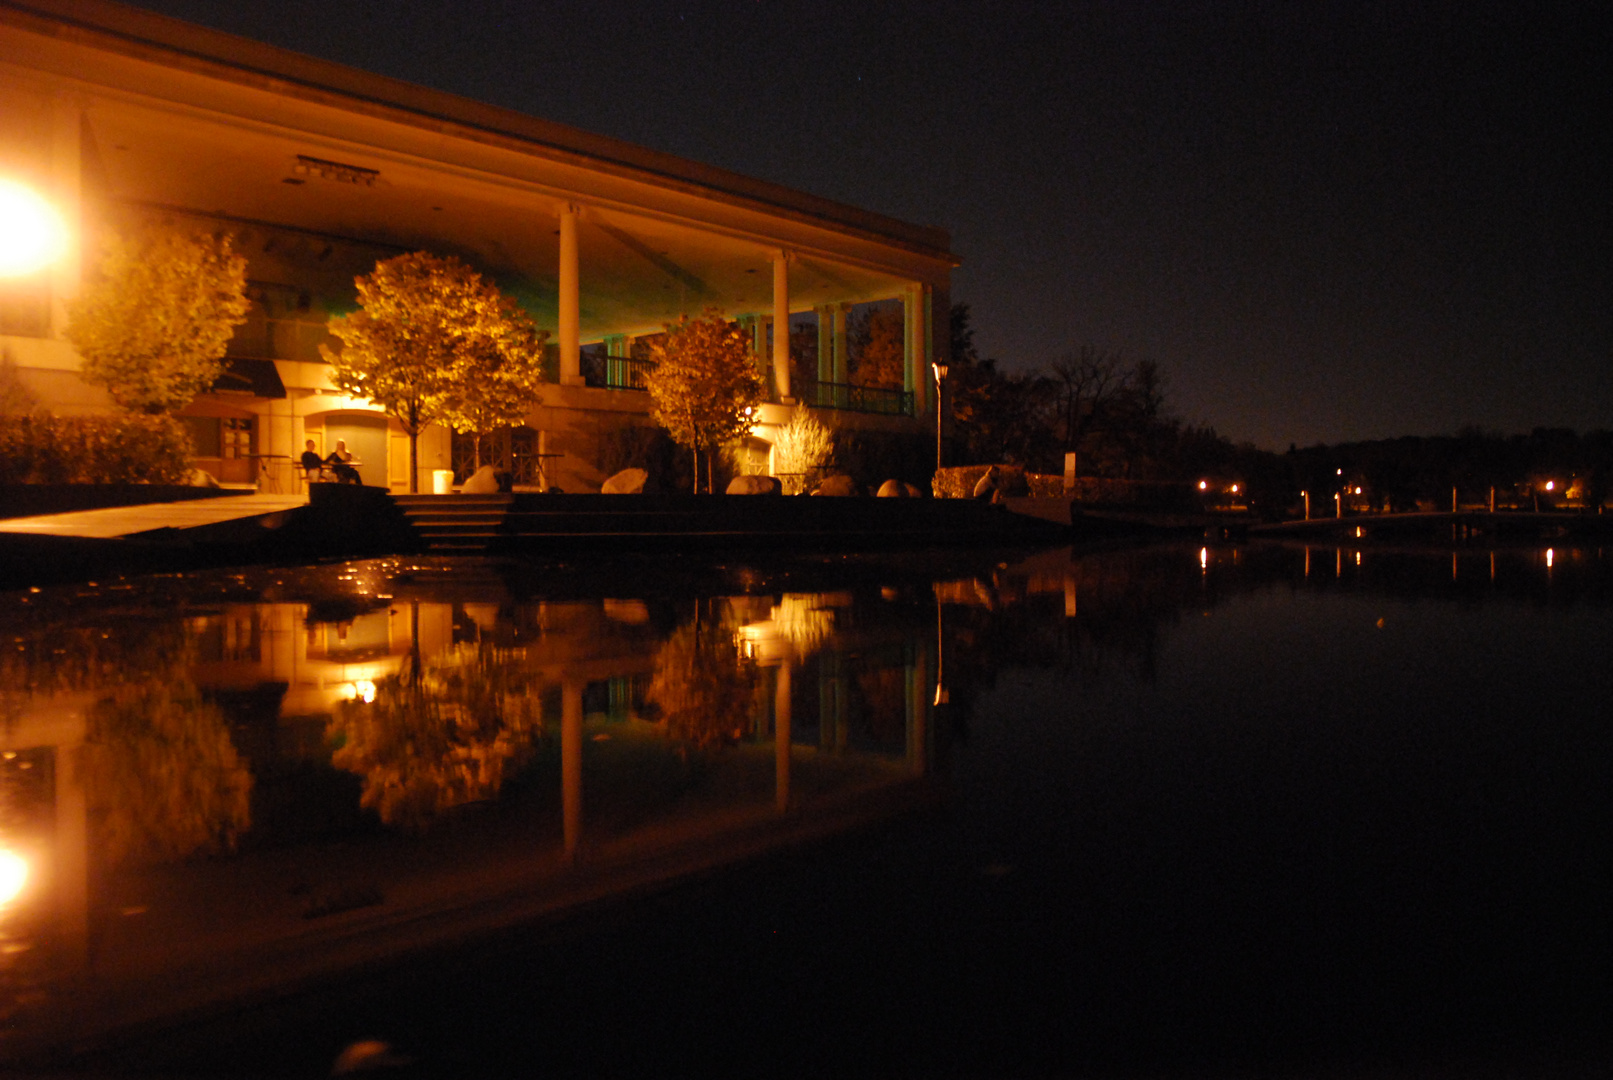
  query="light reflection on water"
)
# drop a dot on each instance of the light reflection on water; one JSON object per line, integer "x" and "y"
{"x": 203, "y": 774}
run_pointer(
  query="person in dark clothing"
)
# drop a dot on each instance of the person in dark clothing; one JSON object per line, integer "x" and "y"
{"x": 312, "y": 464}
{"x": 338, "y": 464}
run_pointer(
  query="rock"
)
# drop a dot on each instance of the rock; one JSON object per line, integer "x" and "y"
{"x": 201, "y": 478}
{"x": 913, "y": 490}
{"x": 626, "y": 482}
{"x": 892, "y": 489}
{"x": 987, "y": 484}
{"x": 755, "y": 485}
{"x": 838, "y": 485}
{"x": 483, "y": 481}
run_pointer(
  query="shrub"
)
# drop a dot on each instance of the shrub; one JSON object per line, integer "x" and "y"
{"x": 959, "y": 481}
{"x": 122, "y": 448}
{"x": 803, "y": 448}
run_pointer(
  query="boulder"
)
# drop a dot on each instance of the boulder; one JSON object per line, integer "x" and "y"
{"x": 892, "y": 489}
{"x": 626, "y": 482}
{"x": 913, "y": 490}
{"x": 202, "y": 478}
{"x": 755, "y": 485}
{"x": 838, "y": 485}
{"x": 987, "y": 485}
{"x": 483, "y": 481}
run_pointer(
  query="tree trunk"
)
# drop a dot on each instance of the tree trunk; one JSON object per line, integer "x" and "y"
{"x": 414, "y": 459}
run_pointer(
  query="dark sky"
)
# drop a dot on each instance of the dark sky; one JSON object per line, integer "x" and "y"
{"x": 1323, "y": 221}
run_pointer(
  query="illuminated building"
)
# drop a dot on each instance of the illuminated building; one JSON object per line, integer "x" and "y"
{"x": 116, "y": 116}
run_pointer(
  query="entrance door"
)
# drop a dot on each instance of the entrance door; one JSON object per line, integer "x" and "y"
{"x": 365, "y": 435}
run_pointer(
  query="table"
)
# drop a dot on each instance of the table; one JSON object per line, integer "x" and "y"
{"x": 270, "y": 481}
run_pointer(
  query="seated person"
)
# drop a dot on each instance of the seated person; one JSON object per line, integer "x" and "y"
{"x": 340, "y": 464}
{"x": 312, "y": 464}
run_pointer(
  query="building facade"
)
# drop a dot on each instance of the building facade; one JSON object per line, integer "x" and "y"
{"x": 116, "y": 117}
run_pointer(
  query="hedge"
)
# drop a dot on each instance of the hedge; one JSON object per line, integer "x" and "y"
{"x": 118, "y": 448}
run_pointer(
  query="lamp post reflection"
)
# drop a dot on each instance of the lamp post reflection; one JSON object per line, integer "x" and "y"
{"x": 571, "y": 764}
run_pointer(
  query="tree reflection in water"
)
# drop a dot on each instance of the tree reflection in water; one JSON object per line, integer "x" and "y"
{"x": 704, "y": 688}
{"x": 440, "y": 734}
{"x": 164, "y": 778}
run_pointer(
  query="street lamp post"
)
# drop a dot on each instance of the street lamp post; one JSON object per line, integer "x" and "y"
{"x": 940, "y": 370}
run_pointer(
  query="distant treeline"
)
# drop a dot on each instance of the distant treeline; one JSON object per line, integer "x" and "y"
{"x": 1553, "y": 464}
{"x": 1113, "y": 415}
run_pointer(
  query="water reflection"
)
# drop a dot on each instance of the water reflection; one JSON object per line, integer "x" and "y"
{"x": 439, "y": 734}
{"x": 199, "y": 773}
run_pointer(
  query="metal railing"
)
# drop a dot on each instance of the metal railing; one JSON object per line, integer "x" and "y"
{"x": 280, "y": 339}
{"x": 863, "y": 399}
{"x": 618, "y": 372}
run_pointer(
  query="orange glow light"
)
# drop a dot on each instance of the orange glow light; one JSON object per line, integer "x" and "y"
{"x": 32, "y": 233}
{"x": 13, "y": 875}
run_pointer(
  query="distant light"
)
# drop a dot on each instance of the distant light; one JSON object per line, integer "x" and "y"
{"x": 1358, "y": 558}
{"x": 1340, "y": 472}
{"x": 1203, "y": 484}
{"x": 1204, "y": 558}
{"x": 1234, "y": 489}
{"x": 1550, "y": 484}
{"x": 1358, "y": 491}
{"x": 32, "y": 233}
{"x": 1549, "y": 554}
{"x": 13, "y": 875}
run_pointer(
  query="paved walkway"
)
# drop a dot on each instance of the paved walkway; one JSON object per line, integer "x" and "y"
{"x": 127, "y": 520}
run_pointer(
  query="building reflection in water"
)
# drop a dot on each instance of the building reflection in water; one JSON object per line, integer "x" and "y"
{"x": 180, "y": 793}
{"x": 228, "y": 788}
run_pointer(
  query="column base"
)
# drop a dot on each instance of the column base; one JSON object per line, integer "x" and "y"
{"x": 573, "y": 380}
{"x": 786, "y": 400}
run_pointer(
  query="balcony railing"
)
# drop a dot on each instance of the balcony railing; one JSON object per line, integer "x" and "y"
{"x": 281, "y": 339}
{"x": 616, "y": 372}
{"x": 863, "y": 399}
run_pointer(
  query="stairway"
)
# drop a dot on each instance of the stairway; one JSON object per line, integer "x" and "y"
{"x": 456, "y": 524}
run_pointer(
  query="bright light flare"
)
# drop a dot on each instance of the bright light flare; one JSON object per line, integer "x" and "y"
{"x": 1204, "y": 558}
{"x": 1549, "y": 554}
{"x": 1203, "y": 484}
{"x": 13, "y": 875}
{"x": 360, "y": 690}
{"x": 1550, "y": 484}
{"x": 32, "y": 233}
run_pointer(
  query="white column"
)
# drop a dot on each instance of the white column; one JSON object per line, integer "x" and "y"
{"x": 781, "y": 326}
{"x": 916, "y": 371}
{"x": 570, "y": 319}
{"x": 826, "y": 343}
{"x": 66, "y": 192}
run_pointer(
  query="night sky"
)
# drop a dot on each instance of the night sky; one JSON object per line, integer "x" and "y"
{"x": 1323, "y": 221}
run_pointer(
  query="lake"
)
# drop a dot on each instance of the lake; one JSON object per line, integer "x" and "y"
{"x": 1139, "y": 811}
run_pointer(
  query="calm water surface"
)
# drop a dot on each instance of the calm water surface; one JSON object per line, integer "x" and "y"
{"x": 1172, "y": 810}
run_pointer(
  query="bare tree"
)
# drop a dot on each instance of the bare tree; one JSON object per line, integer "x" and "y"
{"x": 1091, "y": 382}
